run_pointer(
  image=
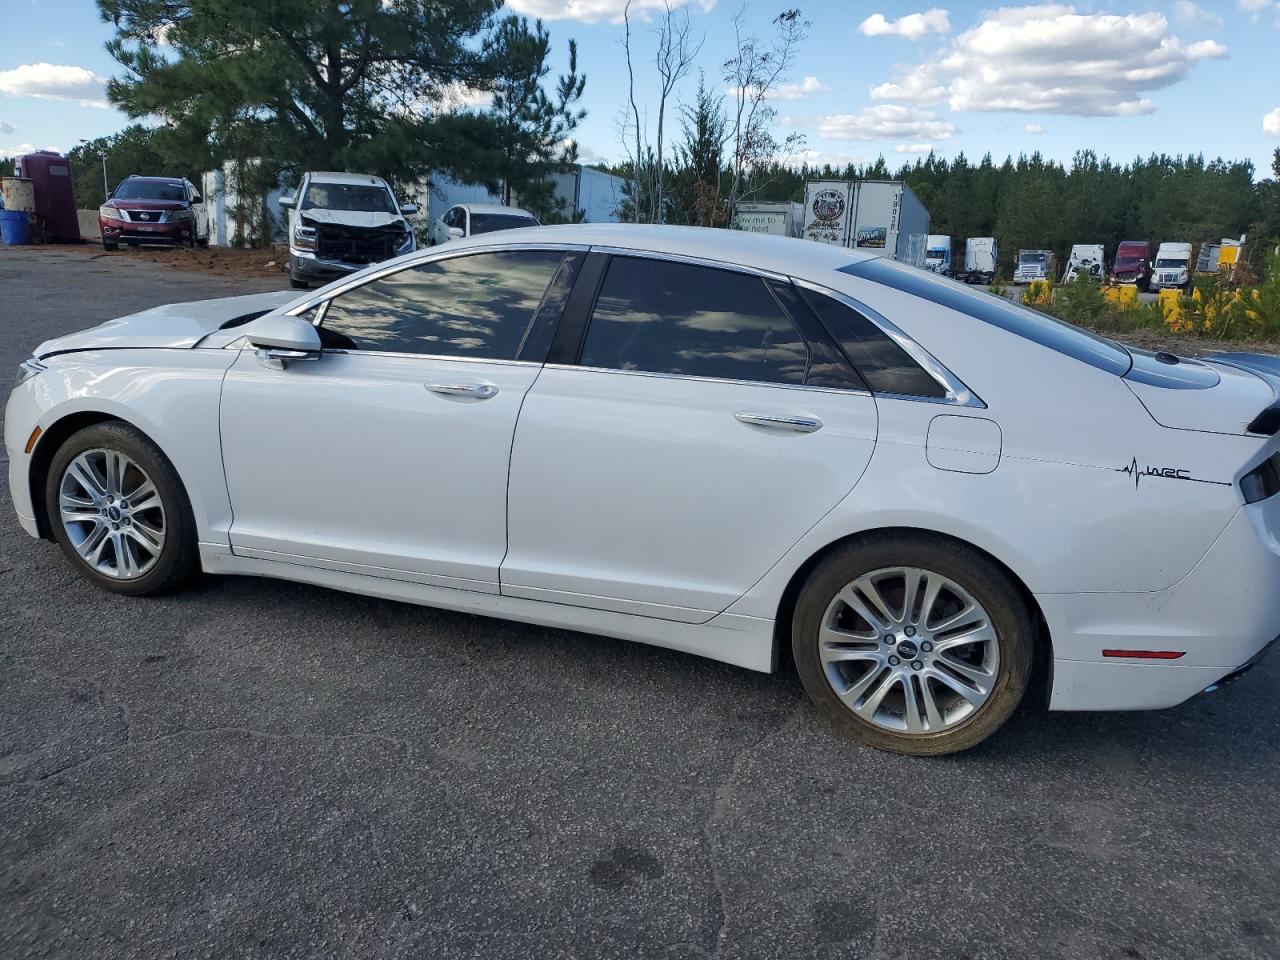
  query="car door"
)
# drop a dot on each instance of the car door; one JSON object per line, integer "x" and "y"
{"x": 705, "y": 423}
{"x": 389, "y": 453}
{"x": 199, "y": 213}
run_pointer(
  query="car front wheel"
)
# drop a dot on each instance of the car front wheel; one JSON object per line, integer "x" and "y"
{"x": 118, "y": 511}
{"x": 913, "y": 644}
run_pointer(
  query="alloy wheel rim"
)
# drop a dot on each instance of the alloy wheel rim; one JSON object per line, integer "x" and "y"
{"x": 909, "y": 650}
{"x": 112, "y": 514}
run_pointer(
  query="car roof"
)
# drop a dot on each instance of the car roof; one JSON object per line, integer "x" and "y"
{"x": 783, "y": 255}
{"x": 494, "y": 208}
{"x": 329, "y": 176}
{"x": 172, "y": 181}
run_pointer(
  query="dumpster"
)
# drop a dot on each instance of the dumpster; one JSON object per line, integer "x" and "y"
{"x": 13, "y": 227}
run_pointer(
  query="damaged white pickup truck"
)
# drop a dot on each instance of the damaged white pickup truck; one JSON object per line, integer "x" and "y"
{"x": 342, "y": 222}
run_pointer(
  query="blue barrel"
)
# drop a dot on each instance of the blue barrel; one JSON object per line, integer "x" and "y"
{"x": 14, "y": 227}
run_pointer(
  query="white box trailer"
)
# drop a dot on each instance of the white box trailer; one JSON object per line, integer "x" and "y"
{"x": 880, "y": 217}
{"x": 981, "y": 260}
{"x": 782, "y": 218}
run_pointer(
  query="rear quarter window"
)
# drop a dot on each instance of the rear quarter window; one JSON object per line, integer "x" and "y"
{"x": 1050, "y": 332}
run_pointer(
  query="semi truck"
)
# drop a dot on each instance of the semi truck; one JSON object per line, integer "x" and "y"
{"x": 1133, "y": 264}
{"x": 881, "y": 217}
{"x": 937, "y": 254}
{"x": 1086, "y": 260}
{"x": 981, "y": 260}
{"x": 1173, "y": 267}
{"x": 1033, "y": 265}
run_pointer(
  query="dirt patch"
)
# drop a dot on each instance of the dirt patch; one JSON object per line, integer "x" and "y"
{"x": 218, "y": 261}
{"x": 1190, "y": 346}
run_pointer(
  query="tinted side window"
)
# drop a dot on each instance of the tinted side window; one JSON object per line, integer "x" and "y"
{"x": 472, "y": 306}
{"x": 885, "y": 366}
{"x": 665, "y": 317}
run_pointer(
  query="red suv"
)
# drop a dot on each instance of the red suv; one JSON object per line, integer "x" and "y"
{"x": 154, "y": 210}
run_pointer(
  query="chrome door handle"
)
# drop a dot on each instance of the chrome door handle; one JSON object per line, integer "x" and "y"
{"x": 794, "y": 424}
{"x": 473, "y": 391}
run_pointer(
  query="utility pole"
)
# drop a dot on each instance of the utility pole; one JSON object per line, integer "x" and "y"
{"x": 106, "y": 192}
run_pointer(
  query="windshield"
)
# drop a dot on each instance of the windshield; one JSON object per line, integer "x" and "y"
{"x": 356, "y": 197}
{"x": 1170, "y": 262}
{"x": 1032, "y": 258}
{"x": 1058, "y": 335}
{"x": 150, "y": 190}
{"x": 489, "y": 222}
{"x": 937, "y": 253}
{"x": 1127, "y": 261}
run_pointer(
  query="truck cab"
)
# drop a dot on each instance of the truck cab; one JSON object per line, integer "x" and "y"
{"x": 1133, "y": 264}
{"x": 937, "y": 254}
{"x": 1173, "y": 267}
{"x": 342, "y": 222}
{"x": 1086, "y": 260}
{"x": 1033, "y": 265}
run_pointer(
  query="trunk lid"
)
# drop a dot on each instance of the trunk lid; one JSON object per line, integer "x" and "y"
{"x": 1223, "y": 393}
{"x": 174, "y": 325}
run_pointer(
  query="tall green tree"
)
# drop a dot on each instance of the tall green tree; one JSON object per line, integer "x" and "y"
{"x": 533, "y": 129}
{"x": 314, "y": 84}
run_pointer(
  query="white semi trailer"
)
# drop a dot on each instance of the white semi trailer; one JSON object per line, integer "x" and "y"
{"x": 880, "y": 217}
{"x": 981, "y": 260}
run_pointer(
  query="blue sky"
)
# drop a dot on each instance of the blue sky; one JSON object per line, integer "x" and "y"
{"x": 1122, "y": 77}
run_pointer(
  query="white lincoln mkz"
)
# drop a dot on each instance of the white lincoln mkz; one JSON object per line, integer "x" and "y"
{"x": 749, "y": 448}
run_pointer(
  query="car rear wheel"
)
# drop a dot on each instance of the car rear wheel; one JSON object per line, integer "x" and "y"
{"x": 912, "y": 643}
{"x": 118, "y": 511}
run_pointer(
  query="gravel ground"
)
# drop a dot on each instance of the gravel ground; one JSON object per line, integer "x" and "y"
{"x": 256, "y": 768}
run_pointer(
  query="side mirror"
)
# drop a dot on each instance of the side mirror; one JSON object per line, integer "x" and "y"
{"x": 197, "y": 199}
{"x": 408, "y": 209}
{"x": 286, "y": 201}
{"x": 278, "y": 339}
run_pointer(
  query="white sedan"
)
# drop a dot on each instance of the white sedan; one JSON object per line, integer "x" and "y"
{"x": 473, "y": 219}
{"x": 745, "y": 447}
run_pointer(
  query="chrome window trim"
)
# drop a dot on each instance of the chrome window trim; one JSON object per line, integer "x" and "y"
{"x": 701, "y": 379}
{"x": 431, "y": 255}
{"x": 761, "y": 272}
{"x": 957, "y": 393}
{"x": 427, "y": 356}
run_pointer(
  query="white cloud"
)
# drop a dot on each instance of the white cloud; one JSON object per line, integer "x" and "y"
{"x": 6, "y": 127}
{"x": 886, "y": 121}
{"x": 1252, "y": 6}
{"x": 823, "y": 158}
{"x": 1271, "y": 123}
{"x": 53, "y": 82}
{"x": 913, "y": 148}
{"x": 913, "y": 26}
{"x": 458, "y": 96}
{"x": 794, "y": 91}
{"x": 1188, "y": 12}
{"x": 597, "y": 11}
{"x": 1034, "y": 129}
{"x": 17, "y": 151}
{"x": 1049, "y": 59}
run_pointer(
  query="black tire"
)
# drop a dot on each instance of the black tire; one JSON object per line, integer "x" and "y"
{"x": 110, "y": 247}
{"x": 298, "y": 284}
{"x": 177, "y": 559}
{"x": 202, "y": 242}
{"x": 984, "y": 581}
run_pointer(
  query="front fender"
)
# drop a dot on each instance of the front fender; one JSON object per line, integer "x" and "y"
{"x": 172, "y": 396}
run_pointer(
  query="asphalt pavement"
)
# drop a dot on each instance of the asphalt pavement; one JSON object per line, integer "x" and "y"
{"x": 255, "y": 768}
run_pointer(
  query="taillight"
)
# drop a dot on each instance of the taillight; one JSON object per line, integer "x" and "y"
{"x": 1262, "y": 481}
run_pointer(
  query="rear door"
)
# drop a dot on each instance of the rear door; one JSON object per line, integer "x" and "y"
{"x": 693, "y": 432}
{"x": 388, "y": 455}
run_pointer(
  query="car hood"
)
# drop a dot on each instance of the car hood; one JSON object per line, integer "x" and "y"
{"x": 142, "y": 204}
{"x": 1223, "y": 393}
{"x": 173, "y": 325}
{"x": 352, "y": 218}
